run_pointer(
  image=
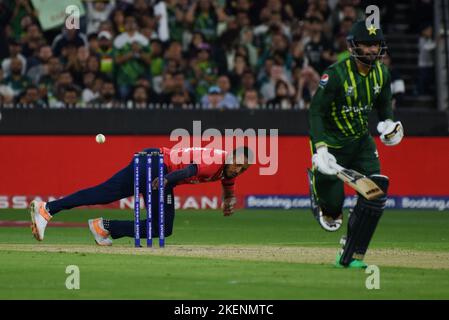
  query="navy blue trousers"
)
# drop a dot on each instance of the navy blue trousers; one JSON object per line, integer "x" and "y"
{"x": 119, "y": 186}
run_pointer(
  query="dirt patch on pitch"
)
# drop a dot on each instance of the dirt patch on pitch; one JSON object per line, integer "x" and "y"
{"x": 311, "y": 255}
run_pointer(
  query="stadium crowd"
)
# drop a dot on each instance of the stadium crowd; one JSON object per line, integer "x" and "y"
{"x": 215, "y": 54}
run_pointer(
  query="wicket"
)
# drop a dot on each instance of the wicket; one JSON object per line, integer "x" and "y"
{"x": 148, "y": 158}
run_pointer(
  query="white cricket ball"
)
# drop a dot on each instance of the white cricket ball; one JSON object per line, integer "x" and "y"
{"x": 100, "y": 138}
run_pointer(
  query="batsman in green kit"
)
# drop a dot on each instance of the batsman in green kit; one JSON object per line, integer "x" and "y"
{"x": 338, "y": 117}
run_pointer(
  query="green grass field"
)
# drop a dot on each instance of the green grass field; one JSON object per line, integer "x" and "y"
{"x": 262, "y": 254}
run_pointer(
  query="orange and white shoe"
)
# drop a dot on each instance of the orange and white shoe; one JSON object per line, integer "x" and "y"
{"x": 100, "y": 233}
{"x": 39, "y": 219}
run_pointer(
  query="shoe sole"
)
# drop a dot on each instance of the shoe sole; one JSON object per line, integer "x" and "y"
{"x": 33, "y": 222}
{"x": 90, "y": 222}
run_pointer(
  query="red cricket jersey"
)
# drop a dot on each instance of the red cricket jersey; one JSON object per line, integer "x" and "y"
{"x": 210, "y": 164}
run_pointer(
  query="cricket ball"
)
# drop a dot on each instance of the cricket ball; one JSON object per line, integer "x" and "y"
{"x": 100, "y": 138}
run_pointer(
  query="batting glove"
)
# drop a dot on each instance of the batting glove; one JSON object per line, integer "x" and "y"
{"x": 391, "y": 133}
{"x": 323, "y": 161}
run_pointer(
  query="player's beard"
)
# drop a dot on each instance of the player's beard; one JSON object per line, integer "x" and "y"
{"x": 367, "y": 59}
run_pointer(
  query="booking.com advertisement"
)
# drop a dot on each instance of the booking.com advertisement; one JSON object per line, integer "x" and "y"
{"x": 276, "y": 180}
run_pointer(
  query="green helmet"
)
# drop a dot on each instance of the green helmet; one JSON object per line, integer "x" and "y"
{"x": 362, "y": 34}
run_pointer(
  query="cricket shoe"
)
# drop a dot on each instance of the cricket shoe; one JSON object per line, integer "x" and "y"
{"x": 39, "y": 219}
{"x": 355, "y": 263}
{"x": 329, "y": 223}
{"x": 101, "y": 235}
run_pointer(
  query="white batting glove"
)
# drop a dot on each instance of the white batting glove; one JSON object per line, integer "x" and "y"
{"x": 323, "y": 161}
{"x": 391, "y": 133}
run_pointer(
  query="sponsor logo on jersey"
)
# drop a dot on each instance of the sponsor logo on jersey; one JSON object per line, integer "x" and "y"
{"x": 324, "y": 79}
{"x": 350, "y": 92}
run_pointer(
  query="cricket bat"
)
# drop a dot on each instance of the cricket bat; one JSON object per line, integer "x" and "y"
{"x": 362, "y": 184}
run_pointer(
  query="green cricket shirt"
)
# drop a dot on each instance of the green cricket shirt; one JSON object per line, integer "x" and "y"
{"x": 339, "y": 110}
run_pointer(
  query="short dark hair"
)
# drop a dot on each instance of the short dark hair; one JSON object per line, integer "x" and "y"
{"x": 247, "y": 153}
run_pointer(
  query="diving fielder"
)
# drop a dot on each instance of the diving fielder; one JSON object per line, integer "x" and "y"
{"x": 338, "y": 118}
{"x": 197, "y": 165}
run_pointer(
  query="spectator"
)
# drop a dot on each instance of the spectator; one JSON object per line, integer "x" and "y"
{"x": 92, "y": 86}
{"x": 56, "y": 95}
{"x": 240, "y": 66}
{"x": 32, "y": 40}
{"x": 344, "y": 10}
{"x": 426, "y": 61}
{"x": 214, "y": 99}
{"x": 174, "y": 52}
{"x": 37, "y": 66}
{"x": 131, "y": 57}
{"x": 144, "y": 82}
{"x": 140, "y": 98}
{"x": 229, "y": 100}
{"x": 242, "y": 19}
{"x": 15, "y": 50}
{"x": 340, "y": 42}
{"x": 105, "y": 53}
{"x": 204, "y": 70}
{"x": 268, "y": 90}
{"x": 77, "y": 64}
{"x": 167, "y": 88}
{"x": 251, "y": 100}
{"x": 247, "y": 40}
{"x": 6, "y": 93}
{"x": 107, "y": 26}
{"x": 318, "y": 49}
{"x": 149, "y": 27}
{"x": 107, "y": 99}
{"x": 160, "y": 12}
{"x": 157, "y": 61}
{"x": 264, "y": 72}
{"x": 92, "y": 42}
{"x": 176, "y": 11}
{"x": 98, "y": 12}
{"x": 48, "y": 80}
{"x": 31, "y": 98}
{"x": 180, "y": 99}
{"x": 71, "y": 97}
{"x": 204, "y": 15}
{"x": 280, "y": 47}
{"x": 15, "y": 80}
{"x": 283, "y": 99}
{"x": 196, "y": 42}
{"x": 248, "y": 83}
{"x": 68, "y": 37}
{"x": 306, "y": 86}
{"x": 118, "y": 22}
{"x": 21, "y": 9}
{"x": 130, "y": 34}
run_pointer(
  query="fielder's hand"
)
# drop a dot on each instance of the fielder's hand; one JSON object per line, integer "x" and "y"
{"x": 323, "y": 161}
{"x": 155, "y": 183}
{"x": 391, "y": 133}
{"x": 228, "y": 206}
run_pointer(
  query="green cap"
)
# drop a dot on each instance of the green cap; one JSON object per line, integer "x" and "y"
{"x": 361, "y": 33}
